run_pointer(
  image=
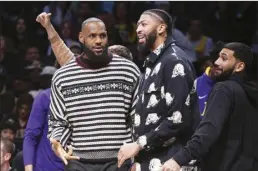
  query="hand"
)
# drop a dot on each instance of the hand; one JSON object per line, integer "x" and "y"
{"x": 44, "y": 19}
{"x": 61, "y": 153}
{"x": 127, "y": 151}
{"x": 171, "y": 165}
{"x": 29, "y": 167}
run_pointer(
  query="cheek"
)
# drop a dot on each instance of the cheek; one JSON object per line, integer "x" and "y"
{"x": 88, "y": 43}
{"x": 11, "y": 137}
{"x": 105, "y": 41}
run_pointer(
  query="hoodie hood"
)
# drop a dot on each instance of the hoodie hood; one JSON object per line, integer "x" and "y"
{"x": 250, "y": 88}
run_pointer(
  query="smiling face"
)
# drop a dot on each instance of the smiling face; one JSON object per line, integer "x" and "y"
{"x": 151, "y": 31}
{"x": 146, "y": 29}
{"x": 146, "y": 32}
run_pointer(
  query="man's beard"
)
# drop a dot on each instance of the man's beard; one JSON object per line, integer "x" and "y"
{"x": 144, "y": 48}
{"x": 225, "y": 75}
{"x": 93, "y": 58}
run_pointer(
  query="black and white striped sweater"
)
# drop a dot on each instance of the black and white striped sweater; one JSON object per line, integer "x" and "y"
{"x": 89, "y": 107}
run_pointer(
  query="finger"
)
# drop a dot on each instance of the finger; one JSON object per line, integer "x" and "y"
{"x": 119, "y": 156}
{"x": 63, "y": 159}
{"x": 53, "y": 141}
{"x": 121, "y": 161}
{"x": 40, "y": 19}
{"x": 70, "y": 150}
{"x": 49, "y": 14}
{"x": 73, "y": 158}
{"x": 120, "y": 153}
{"x": 164, "y": 168}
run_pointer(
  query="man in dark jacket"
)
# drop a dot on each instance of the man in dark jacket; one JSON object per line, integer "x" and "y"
{"x": 162, "y": 118}
{"x": 226, "y": 139}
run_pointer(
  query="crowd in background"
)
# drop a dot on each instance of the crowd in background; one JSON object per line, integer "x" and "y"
{"x": 27, "y": 62}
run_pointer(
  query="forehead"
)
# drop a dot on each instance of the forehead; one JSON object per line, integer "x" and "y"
{"x": 94, "y": 27}
{"x": 148, "y": 18}
{"x": 227, "y": 52}
{"x": 7, "y": 130}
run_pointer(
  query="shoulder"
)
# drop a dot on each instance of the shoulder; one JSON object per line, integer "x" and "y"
{"x": 42, "y": 97}
{"x": 173, "y": 61}
{"x": 123, "y": 62}
{"x": 173, "y": 53}
{"x": 223, "y": 87}
{"x": 71, "y": 65}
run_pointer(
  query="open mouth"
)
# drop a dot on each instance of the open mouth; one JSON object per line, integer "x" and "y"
{"x": 218, "y": 71}
{"x": 141, "y": 39}
{"x": 98, "y": 49}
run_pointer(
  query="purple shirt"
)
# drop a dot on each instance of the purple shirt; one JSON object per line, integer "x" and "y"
{"x": 203, "y": 87}
{"x": 36, "y": 147}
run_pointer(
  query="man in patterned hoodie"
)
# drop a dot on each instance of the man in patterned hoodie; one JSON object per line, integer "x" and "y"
{"x": 163, "y": 117}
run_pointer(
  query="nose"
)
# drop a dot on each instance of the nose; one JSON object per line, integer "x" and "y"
{"x": 139, "y": 29}
{"x": 217, "y": 62}
{"x": 98, "y": 40}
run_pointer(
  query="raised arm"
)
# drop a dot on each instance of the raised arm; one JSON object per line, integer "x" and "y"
{"x": 62, "y": 52}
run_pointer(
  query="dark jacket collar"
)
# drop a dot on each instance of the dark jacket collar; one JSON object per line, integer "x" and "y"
{"x": 154, "y": 56}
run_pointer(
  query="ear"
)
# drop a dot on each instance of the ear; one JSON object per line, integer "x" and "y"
{"x": 240, "y": 67}
{"x": 161, "y": 29}
{"x": 81, "y": 38}
{"x": 7, "y": 157}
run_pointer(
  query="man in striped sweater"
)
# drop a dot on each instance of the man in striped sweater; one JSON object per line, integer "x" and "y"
{"x": 92, "y": 103}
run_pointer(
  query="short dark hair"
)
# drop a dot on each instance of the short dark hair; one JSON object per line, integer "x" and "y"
{"x": 89, "y": 20}
{"x": 8, "y": 146}
{"x": 8, "y": 123}
{"x": 244, "y": 53}
{"x": 241, "y": 51}
{"x": 121, "y": 51}
{"x": 167, "y": 19}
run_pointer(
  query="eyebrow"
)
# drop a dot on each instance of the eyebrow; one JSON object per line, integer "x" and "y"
{"x": 96, "y": 32}
{"x": 224, "y": 54}
{"x": 139, "y": 22}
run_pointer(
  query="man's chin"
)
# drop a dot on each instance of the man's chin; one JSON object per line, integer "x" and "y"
{"x": 98, "y": 54}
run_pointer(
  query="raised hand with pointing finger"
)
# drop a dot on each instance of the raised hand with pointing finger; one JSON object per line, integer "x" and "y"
{"x": 61, "y": 153}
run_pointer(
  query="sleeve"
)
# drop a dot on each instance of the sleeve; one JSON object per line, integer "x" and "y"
{"x": 62, "y": 52}
{"x": 215, "y": 116}
{"x": 34, "y": 127}
{"x": 134, "y": 99}
{"x": 177, "y": 90}
{"x": 134, "y": 102}
{"x": 59, "y": 127}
